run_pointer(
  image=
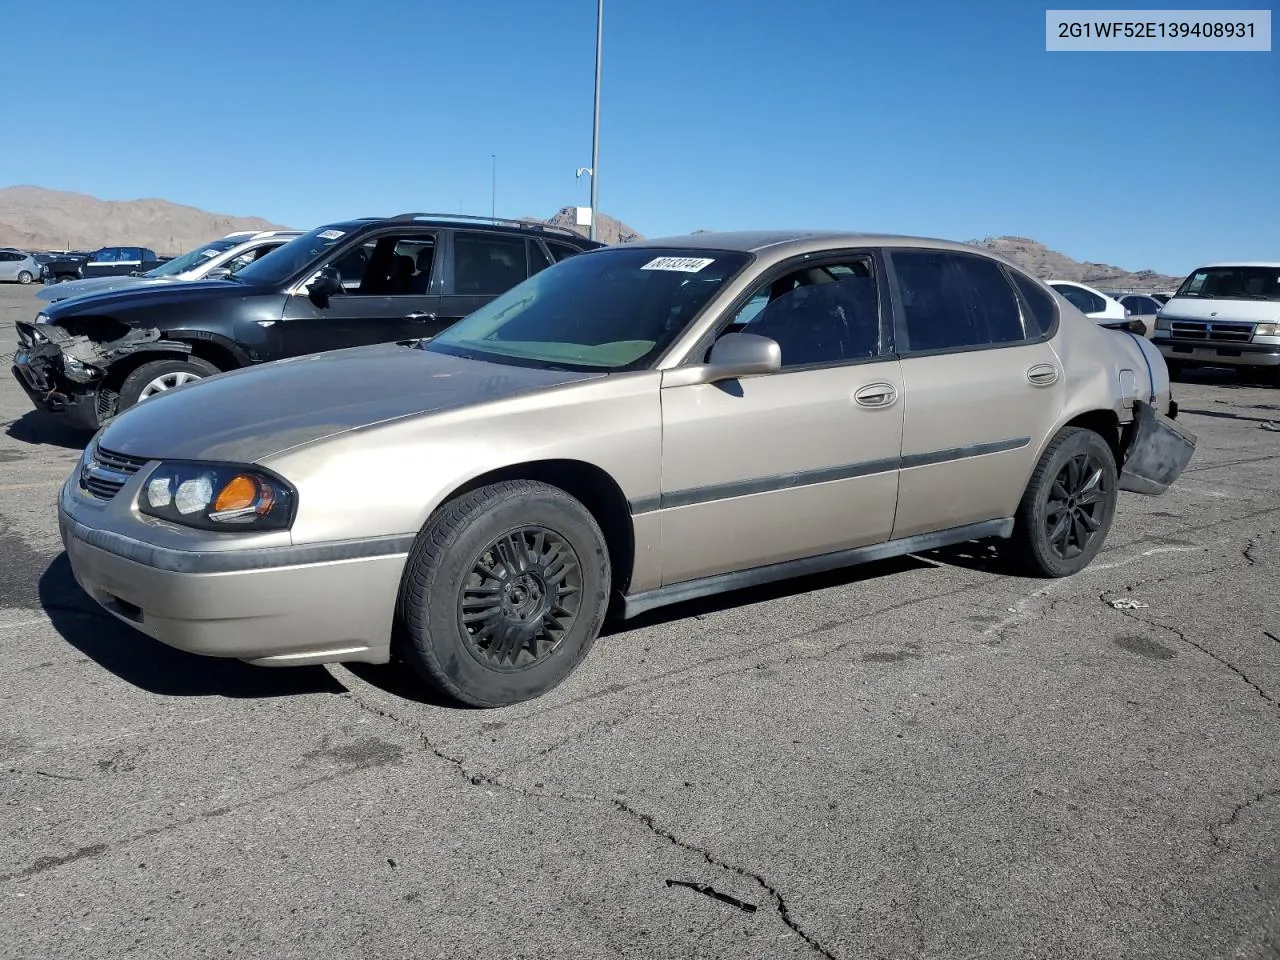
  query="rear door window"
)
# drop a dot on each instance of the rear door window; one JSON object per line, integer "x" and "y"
{"x": 488, "y": 264}
{"x": 954, "y": 301}
{"x": 561, "y": 250}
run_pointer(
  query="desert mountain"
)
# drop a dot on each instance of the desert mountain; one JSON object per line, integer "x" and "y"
{"x": 40, "y": 219}
{"x": 608, "y": 230}
{"x": 1052, "y": 265}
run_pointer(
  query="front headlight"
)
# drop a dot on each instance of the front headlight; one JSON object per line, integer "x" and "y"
{"x": 1162, "y": 323}
{"x": 218, "y": 496}
{"x": 78, "y": 370}
{"x": 1267, "y": 330}
{"x": 42, "y": 318}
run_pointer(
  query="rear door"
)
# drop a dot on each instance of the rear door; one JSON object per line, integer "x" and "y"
{"x": 9, "y": 265}
{"x": 391, "y": 294}
{"x": 983, "y": 386}
{"x": 482, "y": 265}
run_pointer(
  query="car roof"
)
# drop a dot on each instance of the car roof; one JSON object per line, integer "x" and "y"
{"x": 1240, "y": 263}
{"x": 470, "y": 222}
{"x": 782, "y": 244}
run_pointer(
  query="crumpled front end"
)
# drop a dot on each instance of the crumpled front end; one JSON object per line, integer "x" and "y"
{"x": 1156, "y": 451}
{"x": 64, "y": 371}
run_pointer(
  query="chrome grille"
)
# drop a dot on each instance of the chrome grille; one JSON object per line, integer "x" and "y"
{"x": 1204, "y": 330}
{"x": 105, "y": 472}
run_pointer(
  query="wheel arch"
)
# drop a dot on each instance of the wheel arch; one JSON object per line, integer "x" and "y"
{"x": 223, "y": 354}
{"x": 591, "y": 485}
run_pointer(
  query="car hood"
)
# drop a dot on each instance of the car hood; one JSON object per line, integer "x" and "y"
{"x": 150, "y": 295}
{"x": 247, "y": 415}
{"x": 91, "y": 285}
{"x": 1245, "y": 311}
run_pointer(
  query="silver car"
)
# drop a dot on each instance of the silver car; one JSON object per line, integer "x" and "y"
{"x": 634, "y": 426}
{"x": 18, "y": 266}
{"x": 215, "y": 260}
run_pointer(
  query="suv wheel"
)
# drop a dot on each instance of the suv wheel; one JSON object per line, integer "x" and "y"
{"x": 1068, "y": 506}
{"x": 25, "y": 277}
{"x": 504, "y": 593}
{"x": 157, "y": 376}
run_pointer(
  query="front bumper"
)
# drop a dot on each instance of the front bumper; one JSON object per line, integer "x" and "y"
{"x": 45, "y": 393}
{"x": 234, "y": 603}
{"x": 1218, "y": 354}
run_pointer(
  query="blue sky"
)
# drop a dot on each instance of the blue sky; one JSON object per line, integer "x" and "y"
{"x": 937, "y": 118}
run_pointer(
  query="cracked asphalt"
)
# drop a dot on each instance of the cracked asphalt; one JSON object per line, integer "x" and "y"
{"x": 919, "y": 758}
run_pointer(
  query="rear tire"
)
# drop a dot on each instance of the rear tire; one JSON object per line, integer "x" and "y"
{"x": 157, "y": 376}
{"x": 25, "y": 277}
{"x": 1068, "y": 506}
{"x": 504, "y": 593}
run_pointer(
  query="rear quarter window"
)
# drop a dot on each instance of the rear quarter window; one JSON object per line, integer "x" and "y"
{"x": 1041, "y": 310}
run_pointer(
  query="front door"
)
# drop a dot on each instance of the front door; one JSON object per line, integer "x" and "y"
{"x": 983, "y": 385}
{"x": 389, "y": 296}
{"x": 796, "y": 463}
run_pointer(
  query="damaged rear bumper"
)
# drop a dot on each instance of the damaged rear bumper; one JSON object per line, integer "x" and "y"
{"x": 1157, "y": 452}
{"x": 63, "y": 372}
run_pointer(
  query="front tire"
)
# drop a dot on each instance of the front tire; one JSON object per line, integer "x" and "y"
{"x": 25, "y": 277}
{"x": 504, "y": 593}
{"x": 1068, "y": 506}
{"x": 158, "y": 376}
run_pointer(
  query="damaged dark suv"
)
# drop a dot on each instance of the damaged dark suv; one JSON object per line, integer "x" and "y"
{"x": 345, "y": 284}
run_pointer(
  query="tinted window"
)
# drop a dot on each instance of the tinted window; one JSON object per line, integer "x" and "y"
{"x": 954, "y": 302}
{"x": 1040, "y": 306}
{"x": 827, "y": 314}
{"x": 990, "y": 300}
{"x": 561, "y": 250}
{"x": 537, "y": 259}
{"x": 1081, "y": 299}
{"x": 488, "y": 263}
{"x": 105, "y": 255}
{"x": 9, "y": 257}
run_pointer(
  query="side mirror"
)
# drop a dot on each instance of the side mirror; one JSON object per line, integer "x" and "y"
{"x": 1128, "y": 312}
{"x": 328, "y": 283}
{"x": 733, "y": 356}
{"x": 218, "y": 273}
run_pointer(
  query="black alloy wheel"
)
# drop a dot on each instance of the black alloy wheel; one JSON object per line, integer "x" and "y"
{"x": 520, "y": 598}
{"x": 1077, "y": 505}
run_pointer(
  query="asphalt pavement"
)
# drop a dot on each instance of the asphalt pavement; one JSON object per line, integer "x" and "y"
{"x": 920, "y": 758}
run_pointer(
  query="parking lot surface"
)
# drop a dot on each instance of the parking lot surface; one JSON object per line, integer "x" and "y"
{"x": 919, "y": 758}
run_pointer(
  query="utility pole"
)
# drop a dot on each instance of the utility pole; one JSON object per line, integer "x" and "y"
{"x": 595, "y": 131}
{"x": 493, "y": 188}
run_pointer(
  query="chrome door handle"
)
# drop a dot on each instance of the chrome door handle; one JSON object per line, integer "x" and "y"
{"x": 876, "y": 395}
{"x": 1042, "y": 374}
{"x": 419, "y": 317}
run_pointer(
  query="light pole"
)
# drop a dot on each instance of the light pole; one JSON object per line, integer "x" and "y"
{"x": 493, "y": 188}
{"x": 595, "y": 130}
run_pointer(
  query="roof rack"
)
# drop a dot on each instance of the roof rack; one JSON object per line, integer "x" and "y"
{"x": 496, "y": 221}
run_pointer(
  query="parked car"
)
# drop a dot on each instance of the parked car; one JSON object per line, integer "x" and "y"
{"x": 1093, "y": 303}
{"x": 341, "y": 285}
{"x": 613, "y": 428}
{"x": 1141, "y": 307}
{"x": 103, "y": 262}
{"x": 1163, "y": 297}
{"x": 17, "y": 266}
{"x": 1224, "y": 315}
{"x": 214, "y": 260}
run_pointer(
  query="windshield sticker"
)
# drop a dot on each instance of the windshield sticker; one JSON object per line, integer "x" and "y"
{"x": 329, "y": 234}
{"x": 682, "y": 264}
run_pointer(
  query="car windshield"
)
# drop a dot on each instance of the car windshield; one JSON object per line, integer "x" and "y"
{"x": 193, "y": 258}
{"x": 1233, "y": 283}
{"x": 614, "y": 309}
{"x": 287, "y": 259}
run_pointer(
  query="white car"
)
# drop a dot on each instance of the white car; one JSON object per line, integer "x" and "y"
{"x": 1093, "y": 303}
{"x": 1224, "y": 315}
{"x": 212, "y": 261}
